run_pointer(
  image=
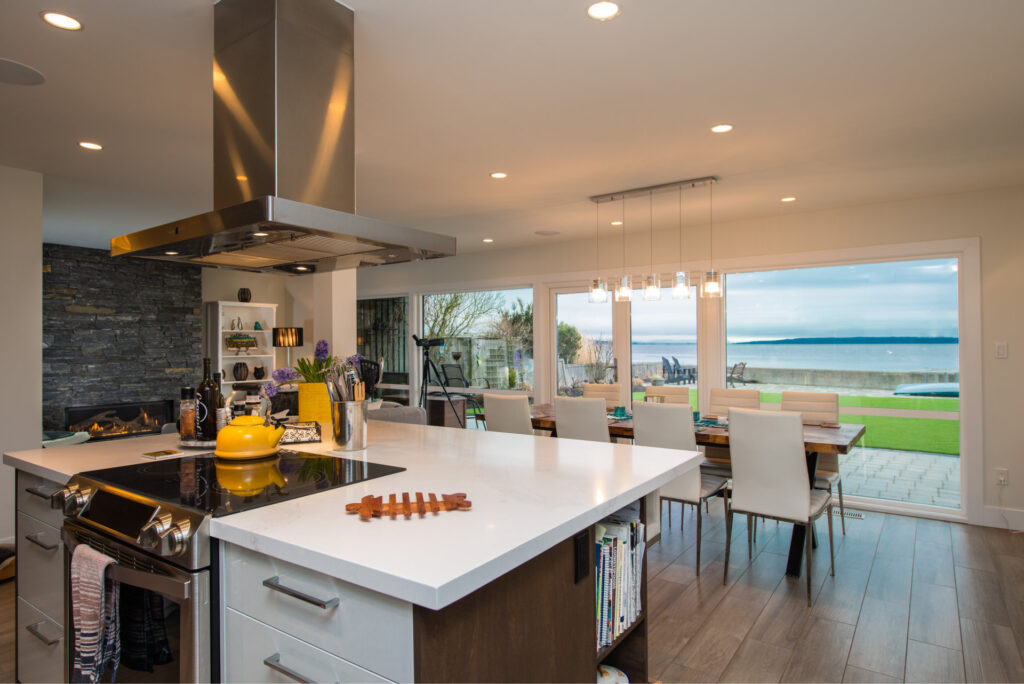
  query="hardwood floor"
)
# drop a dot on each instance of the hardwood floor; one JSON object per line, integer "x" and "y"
{"x": 7, "y": 631}
{"x": 912, "y": 600}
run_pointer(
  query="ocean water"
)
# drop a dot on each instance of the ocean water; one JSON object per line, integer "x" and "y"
{"x": 867, "y": 357}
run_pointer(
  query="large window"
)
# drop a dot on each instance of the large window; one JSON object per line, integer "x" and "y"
{"x": 488, "y": 338}
{"x": 382, "y": 332}
{"x": 883, "y": 336}
{"x": 583, "y": 349}
{"x": 664, "y": 343}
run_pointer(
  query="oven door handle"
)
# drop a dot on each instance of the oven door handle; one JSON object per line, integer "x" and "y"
{"x": 162, "y": 584}
{"x": 274, "y": 663}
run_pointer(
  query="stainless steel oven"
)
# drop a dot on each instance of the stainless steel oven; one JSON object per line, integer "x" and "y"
{"x": 176, "y": 603}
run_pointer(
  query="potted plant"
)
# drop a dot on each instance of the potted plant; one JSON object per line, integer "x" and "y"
{"x": 314, "y": 403}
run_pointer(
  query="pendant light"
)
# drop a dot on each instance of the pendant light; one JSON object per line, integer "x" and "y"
{"x": 681, "y": 287}
{"x": 624, "y": 292}
{"x": 598, "y": 290}
{"x": 652, "y": 283}
{"x": 711, "y": 284}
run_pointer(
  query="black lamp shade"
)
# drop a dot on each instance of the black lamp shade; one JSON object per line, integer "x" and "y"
{"x": 287, "y": 337}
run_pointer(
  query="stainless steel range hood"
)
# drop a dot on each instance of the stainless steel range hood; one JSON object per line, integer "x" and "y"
{"x": 284, "y": 152}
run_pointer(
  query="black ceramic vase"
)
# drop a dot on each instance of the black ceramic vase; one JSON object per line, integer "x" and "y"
{"x": 240, "y": 370}
{"x": 244, "y": 294}
{"x": 259, "y": 372}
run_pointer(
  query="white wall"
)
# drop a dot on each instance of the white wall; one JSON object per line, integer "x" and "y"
{"x": 995, "y": 216}
{"x": 21, "y": 311}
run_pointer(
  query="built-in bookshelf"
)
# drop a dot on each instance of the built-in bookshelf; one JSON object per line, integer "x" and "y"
{"x": 224, "y": 320}
{"x": 620, "y": 579}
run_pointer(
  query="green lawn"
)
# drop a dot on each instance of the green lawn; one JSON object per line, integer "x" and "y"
{"x": 890, "y": 432}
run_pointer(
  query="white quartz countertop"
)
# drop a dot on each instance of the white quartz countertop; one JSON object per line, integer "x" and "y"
{"x": 528, "y": 494}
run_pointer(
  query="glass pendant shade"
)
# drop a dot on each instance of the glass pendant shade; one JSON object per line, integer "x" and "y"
{"x": 652, "y": 288}
{"x": 711, "y": 285}
{"x": 598, "y": 292}
{"x": 681, "y": 288}
{"x": 624, "y": 292}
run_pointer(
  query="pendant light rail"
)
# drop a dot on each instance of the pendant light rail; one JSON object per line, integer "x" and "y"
{"x": 651, "y": 189}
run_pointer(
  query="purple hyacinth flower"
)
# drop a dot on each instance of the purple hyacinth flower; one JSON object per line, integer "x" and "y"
{"x": 270, "y": 390}
{"x": 321, "y": 353}
{"x": 355, "y": 360}
{"x": 285, "y": 375}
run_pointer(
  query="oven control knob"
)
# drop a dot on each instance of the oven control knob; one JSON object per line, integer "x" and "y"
{"x": 59, "y": 497}
{"x": 73, "y": 499}
{"x": 177, "y": 538}
{"x": 155, "y": 530}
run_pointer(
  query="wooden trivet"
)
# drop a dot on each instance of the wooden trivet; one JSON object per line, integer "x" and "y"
{"x": 374, "y": 507}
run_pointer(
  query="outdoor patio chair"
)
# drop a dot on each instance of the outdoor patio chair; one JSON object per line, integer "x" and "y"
{"x": 453, "y": 377}
{"x": 736, "y": 374}
{"x": 677, "y": 369}
{"x": 817, "y": 408}
{"x": 670, "y": 426}
{"x": 668, "y": 371}
{"x": 770, "y": 479}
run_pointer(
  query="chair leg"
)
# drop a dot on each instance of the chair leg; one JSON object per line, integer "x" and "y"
{"x": 842, "y": 506}
{"x": 808, "y": 536}
{"x": 697, "y": 507}
{"x": 750, "y": 532}
{"x": 755, "y": 529}
{"x": 728, "y": 544}
{"x": 831, "y": 548}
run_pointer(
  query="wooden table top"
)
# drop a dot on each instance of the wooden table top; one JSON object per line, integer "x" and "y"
{"x": 822, "y": 440}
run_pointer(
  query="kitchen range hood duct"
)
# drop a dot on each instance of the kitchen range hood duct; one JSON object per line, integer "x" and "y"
{"x": 284, "y": 152}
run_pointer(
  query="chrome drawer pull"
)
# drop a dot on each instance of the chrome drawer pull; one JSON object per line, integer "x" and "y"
{"x": 274, "y": 663}
{"x": 34, "y": 538}
{"x": 34, "y": 629}
{"x": 275, "y": 584}
{"x": 34, "y": 491}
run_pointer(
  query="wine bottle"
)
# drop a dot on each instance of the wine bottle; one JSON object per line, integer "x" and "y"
{"x": 207, "y": 398}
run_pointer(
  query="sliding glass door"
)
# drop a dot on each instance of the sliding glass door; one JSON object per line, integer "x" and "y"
{"x": 885, "y": 337}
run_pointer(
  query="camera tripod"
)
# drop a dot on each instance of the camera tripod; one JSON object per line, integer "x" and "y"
{"x": 428, "y": 366}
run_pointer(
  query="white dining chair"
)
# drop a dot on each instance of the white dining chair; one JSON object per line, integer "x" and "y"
{"x": 820, "y": 408}
{"x": 581, "y": 418}
{"x": 716, "y": 458}
{"x": 670, "y": 426}
{"x": 666, "y": 394}
{"x": 508, "y": 413}
{"x": 769, "y": 478}
{"x": 607, "y": 391}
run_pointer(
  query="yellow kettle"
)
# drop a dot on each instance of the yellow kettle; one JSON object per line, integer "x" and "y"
{"x": 248, "y": 437}
{"x": 249, "y": 478}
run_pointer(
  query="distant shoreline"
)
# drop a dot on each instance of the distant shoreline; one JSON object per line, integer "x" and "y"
{"x": 858, "y": 340}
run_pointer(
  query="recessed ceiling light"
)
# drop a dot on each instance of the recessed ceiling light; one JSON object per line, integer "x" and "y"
{"x": 788, "y": 199}
{"x": 62, "y": 21}
{"x": 616, "y": 223}
{"x": 85, "y": 144}
{"x": 721, "y": 128}
{"x": 603, "y": 11}
{"x": 301, "y": 268}
{"x": 546, "y": 233}
{"x": 498, "y": 175}
{"x": 260, "y": 234}
{"x": 488, "y": 240}
{"x": 171, "y": 253}
{"x": 392, "y": 256}
{"x": 241, "y": 178}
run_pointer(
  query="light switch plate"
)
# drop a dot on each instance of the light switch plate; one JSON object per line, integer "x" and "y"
{"x": 1002, "y": 350}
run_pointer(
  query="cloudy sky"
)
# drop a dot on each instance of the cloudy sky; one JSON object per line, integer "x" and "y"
{"x": 910, "y": 298}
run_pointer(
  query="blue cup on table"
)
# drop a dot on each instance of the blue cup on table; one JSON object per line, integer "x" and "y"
{"x": 620, "y": 412}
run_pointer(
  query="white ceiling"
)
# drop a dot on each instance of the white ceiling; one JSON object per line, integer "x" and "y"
{"x": 836, "y": 102}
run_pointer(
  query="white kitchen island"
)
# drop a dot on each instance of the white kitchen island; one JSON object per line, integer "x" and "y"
{"x": 485, "y": 594}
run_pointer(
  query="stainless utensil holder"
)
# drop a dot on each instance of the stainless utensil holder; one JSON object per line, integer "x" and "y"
{"x": 348, "y": 425}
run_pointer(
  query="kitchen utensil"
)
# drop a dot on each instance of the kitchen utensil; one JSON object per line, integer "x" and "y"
{"x": 374, "y": 507}
{"x": 348, "y": 425}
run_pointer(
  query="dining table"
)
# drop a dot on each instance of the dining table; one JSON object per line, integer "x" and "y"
{"x": 818, "y": 439}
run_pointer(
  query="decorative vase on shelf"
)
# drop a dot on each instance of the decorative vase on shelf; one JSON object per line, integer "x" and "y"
{"x": 314, "y": 404}
{"x": 241, "y": 371}
{"x": 244, "y": 295}
{"x": 259, "y": 372}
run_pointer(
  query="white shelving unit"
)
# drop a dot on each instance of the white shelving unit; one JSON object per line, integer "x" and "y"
{"x": 218, "y": 319}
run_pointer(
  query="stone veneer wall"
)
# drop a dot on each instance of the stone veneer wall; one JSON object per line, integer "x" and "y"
{"x": 116, "y": 330}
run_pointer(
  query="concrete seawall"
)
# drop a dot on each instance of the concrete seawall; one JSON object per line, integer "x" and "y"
{"x": 879, "y": 380}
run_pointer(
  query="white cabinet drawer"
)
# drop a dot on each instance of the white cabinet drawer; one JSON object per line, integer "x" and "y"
{"x": 256, "y": 652}
{"x": 34, "y": 498}
{"x": 40, "y": 645}
{"x": 41, "y": 566}
{"x": 359, "y": 625}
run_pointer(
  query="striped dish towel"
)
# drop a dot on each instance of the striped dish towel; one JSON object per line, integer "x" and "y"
{"x": 95, "y": 616}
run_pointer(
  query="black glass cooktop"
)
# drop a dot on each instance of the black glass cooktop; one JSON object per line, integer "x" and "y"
{"x": 212, "y": 485}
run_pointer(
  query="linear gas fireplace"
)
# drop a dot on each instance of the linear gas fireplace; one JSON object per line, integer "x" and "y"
{"x": 110, "y": 421}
